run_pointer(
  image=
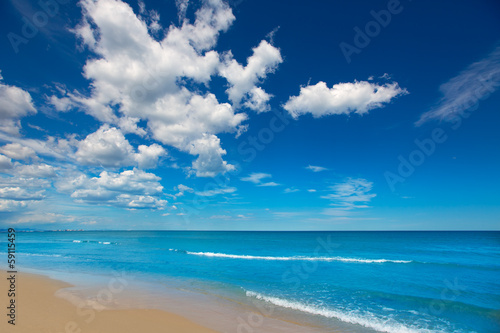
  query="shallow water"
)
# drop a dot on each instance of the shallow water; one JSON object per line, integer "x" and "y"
{"x": 355, "y": 281}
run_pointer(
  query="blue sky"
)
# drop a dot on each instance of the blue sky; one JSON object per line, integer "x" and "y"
{"x": 250, "y": 115}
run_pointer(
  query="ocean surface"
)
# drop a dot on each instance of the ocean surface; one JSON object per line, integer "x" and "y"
{"x": 355, "y": 281}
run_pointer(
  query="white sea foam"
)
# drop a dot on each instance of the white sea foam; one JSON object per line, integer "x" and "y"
{"x": 295, "y": 258}
{"x": 87, "y": 241}
{"x": 33, "y": 254}
{"x": 41, "y": 255}
{"x": 367, "y": 319}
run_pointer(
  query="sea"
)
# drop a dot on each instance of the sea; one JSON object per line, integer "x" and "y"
{"x": 416, "y": 281}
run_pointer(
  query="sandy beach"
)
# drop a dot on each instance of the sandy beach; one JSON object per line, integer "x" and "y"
{"x": 38, "y": 309}
{"x": 47, "y": 305}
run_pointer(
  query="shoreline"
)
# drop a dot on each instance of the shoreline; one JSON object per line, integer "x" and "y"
{"x": 47, "y": 304}
{"x": 39, "y": 309}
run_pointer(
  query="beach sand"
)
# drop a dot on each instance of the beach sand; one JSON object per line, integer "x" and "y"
{"x": 45, "y": 305}
{"x": 39, "y": 310}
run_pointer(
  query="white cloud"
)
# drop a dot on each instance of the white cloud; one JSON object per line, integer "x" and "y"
{"x": 35, "y": 170}
{"x": 182, "y": 188}
{"x": 311, "y": 190}
{"x": 343, "y": 98}
{"x": 53, "y": 147}
{"x": 18, "y": 192}
{"x": 12, "y": 205}
{"x": 243, "y": 80}
{"x": 462, "y": 92}
{"x": 15, "y": 103}
{"x": 147, "y": 157}
{"x": 268, "y": 184}
{"x": 130, "y": 189}
{"x": 182, "y": 6}
{"x": 217, "y": 191}
{"x": 108, "y": 147}
{"x": 17, "y": 151}
{"x": 152, "y": 17}
{"x": 209, "y": 162}
{"x": 351, "y": 194}
{"x": 385, "y": 76}
{"x": 38, "y": 128}
{"x": 258, "y": 100}
{"x": 291, "y": 190}
{"x": 256, "y": 177}
{"x": 16, "y": 198}
{"x": 134, "y": 76}
{"x": 314, "y": 168}
{"x": 5, "y": 162}
{"x": 138, "y": 201}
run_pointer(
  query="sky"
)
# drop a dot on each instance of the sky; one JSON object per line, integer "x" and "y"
{"x": 249, "y": 115}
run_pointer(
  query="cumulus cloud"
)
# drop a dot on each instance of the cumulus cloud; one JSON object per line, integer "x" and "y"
{"x": 36, "y": 171}
{"x": 464, "y": 91}
{"x": 351, "y": 194}
{"x": 15, "y": 103}
{"x": 243, "y": 80}
{"x": 53, "y": 147}
{"x": 21, "y": 192}
{"x": 182, "y": 188}
{"x": 18, "y": 151}
{"x": 5, "y": 162}
{"x": 165, "y": 83}
{"x": 108, "y": 147}
{"x": 343, "y": 98}
{"x": 130, "y": 189}
{"x": 291, "y": 190}
{"x": 258, "y": 100}
{"x": 314, "y": 168}
{"x": 18, "y": 193}
{"x": 12, "y": 205}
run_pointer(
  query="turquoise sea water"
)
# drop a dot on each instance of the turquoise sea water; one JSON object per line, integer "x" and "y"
{"x": 359, "y": 281}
